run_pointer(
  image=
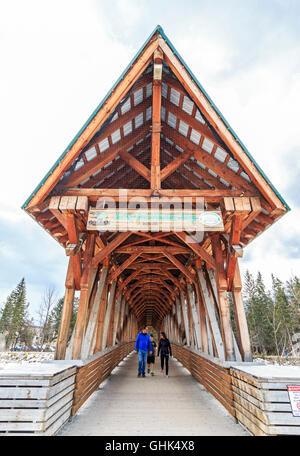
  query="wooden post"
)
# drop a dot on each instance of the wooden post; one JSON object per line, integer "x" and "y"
{"x": 171, "y": 326}
{"x": 116, "y": 317}
{"x": 156, "y": 120}
{"x": 90, "y": 337}
{"x": 110, "y": 312}
{"x": 210, "y": 312}
{"x": 123, "y": 322}
{"x": 223, "y": 302}
{"x": 185, "y": 317}
{"x": 83, "y": 300}
{"x": 101, "y": 316}
{"x": 190, "y": 317}
{"x": 125, "y": 325}
{"x": 122, "y": 310}
{"x": 240, "y": 317}
{"x": 202, "y": 318}
{"x": 192, "y": 302}
{"x": 111, "y": 297}
{"x": 178, "y": 312}
{"x": 64, "y": 329}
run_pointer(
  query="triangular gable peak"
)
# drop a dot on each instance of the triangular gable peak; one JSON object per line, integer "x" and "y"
{"x": 197, "y": 148}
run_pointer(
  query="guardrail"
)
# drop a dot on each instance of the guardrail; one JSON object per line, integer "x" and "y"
{"x": 92, "y": 372}
{"x": 255, "y": 394}
{"x": 213, "y": 375}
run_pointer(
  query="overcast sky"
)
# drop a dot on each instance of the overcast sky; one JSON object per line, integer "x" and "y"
{"x": 59, "y": 58}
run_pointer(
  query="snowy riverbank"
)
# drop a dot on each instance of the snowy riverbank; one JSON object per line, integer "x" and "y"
{"x": 24, "y": 356}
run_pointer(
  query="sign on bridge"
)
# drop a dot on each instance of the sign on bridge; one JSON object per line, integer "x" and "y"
{"x": 154, "y": 220}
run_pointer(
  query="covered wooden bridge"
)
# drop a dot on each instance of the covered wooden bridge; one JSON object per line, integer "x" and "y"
{"x": 158, "y": 145}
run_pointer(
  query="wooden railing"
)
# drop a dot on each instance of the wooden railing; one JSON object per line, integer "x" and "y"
{"x": 92, "y": 372}
{"x": 213, "y": 375}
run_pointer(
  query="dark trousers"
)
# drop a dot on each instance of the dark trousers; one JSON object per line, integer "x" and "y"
{"x": 162, "y": 359}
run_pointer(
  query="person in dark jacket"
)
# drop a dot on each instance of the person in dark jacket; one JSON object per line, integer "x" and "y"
{"x": 165, "y": 350}
{"x": 142, "y": 346}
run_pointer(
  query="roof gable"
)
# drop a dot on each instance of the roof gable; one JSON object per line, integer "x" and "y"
{"x": 134, "y": 80}
{"x": 198, "y": 149}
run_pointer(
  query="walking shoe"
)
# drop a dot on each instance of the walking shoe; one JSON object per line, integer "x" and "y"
{"x": 148, "y": 370}
{"x": 143, "y": 374}
{"x": 139, "y": 375}
{"x": 167, "y": 376}
{"x": 152, "y": 373}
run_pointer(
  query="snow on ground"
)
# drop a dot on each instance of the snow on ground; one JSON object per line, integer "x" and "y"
{"x": 24, "y": 356}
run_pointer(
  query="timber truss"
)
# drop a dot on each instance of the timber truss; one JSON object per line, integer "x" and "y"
{"x": 156, "y": 135}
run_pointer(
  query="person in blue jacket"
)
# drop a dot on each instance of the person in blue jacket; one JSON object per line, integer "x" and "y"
{"x": 142, "y": 346}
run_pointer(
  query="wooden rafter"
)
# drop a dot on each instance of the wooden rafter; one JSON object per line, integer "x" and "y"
{"x": 156, "y": 120}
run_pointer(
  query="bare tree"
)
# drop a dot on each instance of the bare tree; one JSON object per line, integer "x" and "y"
{"x": 44, "y": 312}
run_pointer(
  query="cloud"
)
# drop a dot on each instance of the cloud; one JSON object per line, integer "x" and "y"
{"x": 60, "y": 58}
{"x": 28, "y": 251}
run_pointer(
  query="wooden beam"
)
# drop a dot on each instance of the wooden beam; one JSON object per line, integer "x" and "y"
{"x": 108, "y": 311}
{"x": 101, "y": 317}
{"x": 153, "y": 249}
{"x": 124, "y": 266}
{"x": 196, "y": 248}
{"x": 121, "y": 237}
{"x": 240, "y": 317}
{"x": 54, "y": 208}
{"x": 156, "y": 120}
{"x": 208, "y": 302}
{"x": 64, "y": 327}
{"x": 73, "y": 236}
{"x": 215, "y": 195}
{"x": 208, "y": 160}
{"x": 175, "y": 164}
{"x": 84, "y": 297}
{"x": 106, "y": 157}
{"x": 91, "y": 328}
{"x": 141, "y": 169}
{"x": 235, "y": 236}
{"x": 223, "y": 301}
{"x": 179, "y": 265}
{"x": 256, "y": 210}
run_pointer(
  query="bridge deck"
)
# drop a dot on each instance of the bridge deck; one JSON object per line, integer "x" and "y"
{"x": 127, "y": 405}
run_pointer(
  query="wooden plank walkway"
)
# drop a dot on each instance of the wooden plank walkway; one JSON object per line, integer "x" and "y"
{"x": 127, "y": 405}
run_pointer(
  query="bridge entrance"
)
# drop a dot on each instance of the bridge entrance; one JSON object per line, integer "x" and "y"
{"x": 153, "y": 202}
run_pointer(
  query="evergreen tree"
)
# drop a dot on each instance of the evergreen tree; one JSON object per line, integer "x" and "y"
{"x": 14, "y": 315}
{"x": 257, "y": 301}
{"x": 293, "y": 295}
{"x": 285, "y": 317}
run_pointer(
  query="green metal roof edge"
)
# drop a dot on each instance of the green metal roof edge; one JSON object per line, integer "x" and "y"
{"x": 159, "y": 29}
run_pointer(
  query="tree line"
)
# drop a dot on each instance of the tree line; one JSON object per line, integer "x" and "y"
{"x": 273, "y": 315}
{"x": 18, "y": 326}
